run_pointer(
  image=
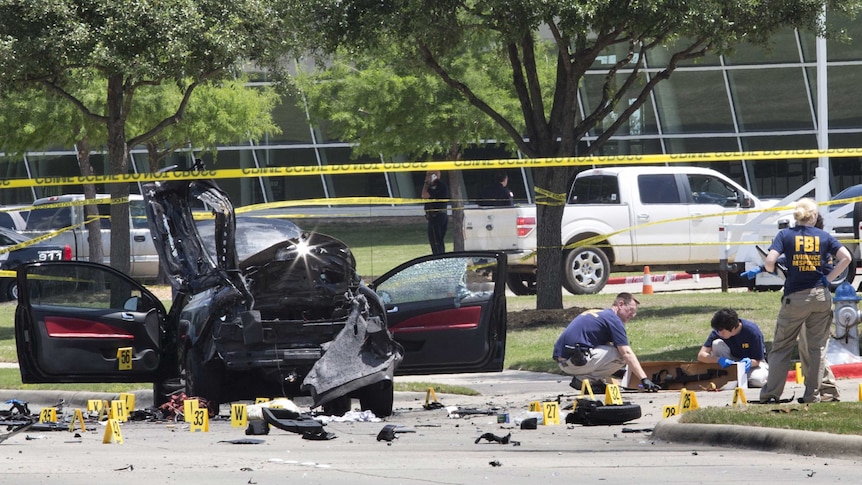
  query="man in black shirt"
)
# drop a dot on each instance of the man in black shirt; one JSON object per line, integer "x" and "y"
{"x": 436, "y": 212}
{"x": 497, "y": 193}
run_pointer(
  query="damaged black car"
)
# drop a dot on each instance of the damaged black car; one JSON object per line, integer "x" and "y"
{"x": 260, "y": 308}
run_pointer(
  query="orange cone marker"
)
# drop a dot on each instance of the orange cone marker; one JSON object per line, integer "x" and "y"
{"x": 647, "y": 288}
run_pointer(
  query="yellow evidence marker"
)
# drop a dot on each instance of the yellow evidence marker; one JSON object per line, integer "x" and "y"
{"x": 200, "y": 420}
{"x": 48, "y": 415}
{"x": 112, "y": 432}
{"x": 687, "y": 401}
{"x": 238, "y": 416}
{"x": 669, "y": 410}
{"x": 613, "y": 394}
{"x": 551, "y": 412}
{"x": 739, "y": 397}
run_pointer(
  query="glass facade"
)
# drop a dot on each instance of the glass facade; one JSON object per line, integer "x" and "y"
{"x": 754, "y": 99}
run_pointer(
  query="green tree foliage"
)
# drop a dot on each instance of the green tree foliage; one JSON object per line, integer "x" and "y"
{"x": 52, "y": 43}
{"x": 388, "y": 108}
{"x": 552, "y": 121}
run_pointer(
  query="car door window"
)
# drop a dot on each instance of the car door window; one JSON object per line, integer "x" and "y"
{"x": 85, "y": 288}
{"x": 457, "y": 278}
{"x": 706, "y": 189}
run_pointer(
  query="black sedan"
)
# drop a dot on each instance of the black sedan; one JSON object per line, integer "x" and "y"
{"x": 260, "y": 308}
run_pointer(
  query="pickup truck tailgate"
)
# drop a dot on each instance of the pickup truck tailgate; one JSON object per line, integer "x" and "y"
{"x": 497, "y": 228}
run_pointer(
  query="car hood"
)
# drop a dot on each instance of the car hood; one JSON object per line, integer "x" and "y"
{"x": 182, "y": 252}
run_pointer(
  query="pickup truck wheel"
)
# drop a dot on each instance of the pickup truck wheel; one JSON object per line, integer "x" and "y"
{"x": 521, "y": 284}
{"x": 848, "y": 275}
{"x": 586, "y": 271}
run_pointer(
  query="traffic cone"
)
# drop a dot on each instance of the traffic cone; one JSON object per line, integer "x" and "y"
{"x": 647, "y": 289}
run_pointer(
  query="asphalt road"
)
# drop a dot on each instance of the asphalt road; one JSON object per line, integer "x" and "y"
{"x": 434, "y": 447}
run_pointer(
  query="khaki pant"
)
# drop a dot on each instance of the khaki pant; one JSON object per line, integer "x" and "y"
{"x": 603, "y": 362}
{"x": 810, "y": 312}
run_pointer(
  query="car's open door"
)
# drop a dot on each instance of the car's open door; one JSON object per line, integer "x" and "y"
{"x": 448, "y": 311}
{"x": 86, "y": 322}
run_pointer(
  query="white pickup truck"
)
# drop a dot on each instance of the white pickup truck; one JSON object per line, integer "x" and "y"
{"x": 668, "y": 217}
{"x": 50, "y": 214}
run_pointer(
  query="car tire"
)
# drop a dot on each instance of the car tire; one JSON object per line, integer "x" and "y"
{"x": 5, "y": 285}
{"x": 591, "y": 413}
{"x": 378, "y": 398}
{"x": 10, "y": 290}
{"x": 338, "y": 406}
{"x": 585, "y": 270}
{"x": 163, "y": 390}
{"x": 521, "y": 284}
{"x": 202, "y": 380}
{"x": 847, "y": 276}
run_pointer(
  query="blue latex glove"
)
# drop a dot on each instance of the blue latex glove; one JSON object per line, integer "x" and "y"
{"x": 750, "y": 274}
{"x": 747, "y": 362}
{"x": 724, "y": 362}
{"x": 825, "y": 281}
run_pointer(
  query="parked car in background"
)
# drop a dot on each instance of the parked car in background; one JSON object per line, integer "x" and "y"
{"x": 10, "y": 260}
{"x": 50, "y": 214}
{"x": 12, "y": 218}
{"x": 260, "y": 308}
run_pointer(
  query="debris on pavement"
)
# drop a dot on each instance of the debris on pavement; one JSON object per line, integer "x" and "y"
{"x": 492, "y": 438}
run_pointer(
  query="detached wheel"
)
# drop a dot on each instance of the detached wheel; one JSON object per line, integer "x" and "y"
{"x": 592, "y": 413}
{"x": 378, "y": 398}
{"x": 203, "y": 380}
{"x": 586, "y": 270}
{"x": 521, "y": 284}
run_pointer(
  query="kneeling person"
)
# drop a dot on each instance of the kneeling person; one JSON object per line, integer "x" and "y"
{"x": 734, "y": 340}
{"x": 595, "y": 345}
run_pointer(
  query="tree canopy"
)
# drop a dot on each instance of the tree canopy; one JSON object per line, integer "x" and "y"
{"x": 567, "y": 36}
{"x": 52, "y": 43}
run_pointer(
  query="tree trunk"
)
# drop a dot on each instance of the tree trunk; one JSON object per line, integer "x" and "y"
{"x": 118, "y": 160}
{"x": 549, "y": 217}
{"x": 456, "y": 181}
{"x": 91, "y": 212}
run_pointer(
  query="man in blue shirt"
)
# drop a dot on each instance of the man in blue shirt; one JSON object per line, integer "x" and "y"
{"x": 736, "y": 341}
{"x": 595, "y": 345}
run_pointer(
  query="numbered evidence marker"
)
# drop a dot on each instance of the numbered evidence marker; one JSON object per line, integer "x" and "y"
{"x": 124, "y": 358}
{"x": 112, "y": 432}
{"x": 551, "y": 412}
{"x": 613, "y": 394}
{"x": 48, "y": 415}
{"x": 536, "y": 406}
{"x": 200, "y": 420}
{"x": 238, "y": 416}
{"x": 669, "y": 410}
{"x": 687, "y": 401}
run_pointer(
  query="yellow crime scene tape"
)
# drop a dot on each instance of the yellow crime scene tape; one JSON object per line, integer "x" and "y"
{"x": 543, "y": 197}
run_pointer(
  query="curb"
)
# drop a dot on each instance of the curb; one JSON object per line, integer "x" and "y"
{"x": 762, "y": 439}
{"x": 71, "y": 399}
{"x": 666, "y": 278}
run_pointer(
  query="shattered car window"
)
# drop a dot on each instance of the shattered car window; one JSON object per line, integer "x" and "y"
{"x": 75, "y": 287}
{"x": 457, "y": 278}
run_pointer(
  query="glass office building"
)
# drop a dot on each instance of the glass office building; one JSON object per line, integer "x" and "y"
{"x": 752, "y": 100}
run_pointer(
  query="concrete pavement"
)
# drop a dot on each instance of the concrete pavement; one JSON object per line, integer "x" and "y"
{"x": 511, "y": 392}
